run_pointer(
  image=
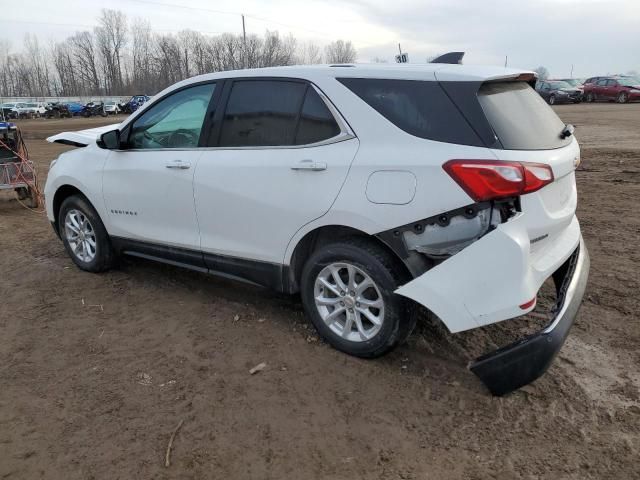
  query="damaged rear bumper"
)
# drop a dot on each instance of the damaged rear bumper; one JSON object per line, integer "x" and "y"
{"x": 522, "y": 362}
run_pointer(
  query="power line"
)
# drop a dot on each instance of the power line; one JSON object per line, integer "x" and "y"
{"x": 226, "y": 12}
{"x": 10, "y": 21}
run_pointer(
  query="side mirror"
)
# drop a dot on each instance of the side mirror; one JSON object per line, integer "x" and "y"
{"x": 110, "y": 140}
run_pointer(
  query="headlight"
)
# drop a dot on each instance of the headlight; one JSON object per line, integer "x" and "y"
{"x": 633, "y": 90}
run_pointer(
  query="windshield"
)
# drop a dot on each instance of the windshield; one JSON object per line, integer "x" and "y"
{"x": 559, "y": 84}
{"x": 520, "y": 117}
{"x": 627, "y": 81}
{"x": 110, "y": 103}
{"x": 573, "y": 82}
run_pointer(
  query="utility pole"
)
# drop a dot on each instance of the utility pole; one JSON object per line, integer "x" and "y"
{"x": 244, "y": 44}
{"x": 505, "y": 61}
{"x": 571, "y": 71}
{"x": 399, "y": 49}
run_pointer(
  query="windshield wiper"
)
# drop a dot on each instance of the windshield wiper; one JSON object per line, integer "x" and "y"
{"x": 567, "y": 131}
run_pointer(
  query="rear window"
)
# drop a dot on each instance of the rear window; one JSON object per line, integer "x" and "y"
{"x": 420, "y": 108}
{"x": 520, "y": 117}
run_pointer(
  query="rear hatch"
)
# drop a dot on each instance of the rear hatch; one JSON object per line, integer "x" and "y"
{"x": 518, "y": 126}
{"x": 528, "y": 130}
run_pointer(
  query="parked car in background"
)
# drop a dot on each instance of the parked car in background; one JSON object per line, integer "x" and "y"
{"x": 74, "y": 107}
{"x": 557, "y": 91}
{"x": 93, "y": 109}
{"x": 111, "y": 107}
{"x": 9, "y": 110}
{"x": 57, "y": 110}
{"x": 134, "y": 103}
{"x": 574, "y": 82}
{"x": 613, "y": 89}
{"x": 364, "y": 189}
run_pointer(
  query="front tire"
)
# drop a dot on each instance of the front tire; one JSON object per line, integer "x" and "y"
{"x": 552, "y": 100}
{"x": 347, "y": 292}
{"x": 83, "y": 234}
{"x": 622, "y": 97}
{"x": 590, "y": 97}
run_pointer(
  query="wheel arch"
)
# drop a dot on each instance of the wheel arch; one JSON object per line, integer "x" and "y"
{"x": 62, "y": 193}
{"x": 324, "y": 235}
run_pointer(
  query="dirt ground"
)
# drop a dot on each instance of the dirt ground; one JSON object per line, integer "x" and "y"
{"x": 96, "y": 371}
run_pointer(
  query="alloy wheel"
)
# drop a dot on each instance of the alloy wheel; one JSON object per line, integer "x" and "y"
{"x": 80, "y": 235}
{"x": 349, "y": 302}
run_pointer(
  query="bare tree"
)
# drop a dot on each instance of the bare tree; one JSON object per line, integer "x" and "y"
{"x": 542, "y": 72}
{"x": 116, "y": 60}
{"x": 309, "y": 54}
{"x": 84, "y": 53}
{"x": 340, "y": 52}
{"x": 111, "y": 38}
{"x": 37, "y": 66}
{"x": 63, "y": 63}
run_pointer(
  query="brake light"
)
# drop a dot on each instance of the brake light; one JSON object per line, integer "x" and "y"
{"x": 492, "y": 179}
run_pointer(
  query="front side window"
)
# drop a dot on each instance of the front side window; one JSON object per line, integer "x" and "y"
{"x": 262, "y": 113}
{"x": 174, "y": 122}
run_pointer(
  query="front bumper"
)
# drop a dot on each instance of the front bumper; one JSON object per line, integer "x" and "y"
{"x": 522, "y": 362}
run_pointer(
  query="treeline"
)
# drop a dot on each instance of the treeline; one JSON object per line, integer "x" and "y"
{"x": 122, "y": 57}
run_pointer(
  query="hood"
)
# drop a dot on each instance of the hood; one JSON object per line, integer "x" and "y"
{"x": 81, "y": 138}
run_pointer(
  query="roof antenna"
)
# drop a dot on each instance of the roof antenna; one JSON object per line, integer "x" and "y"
{"x": 454, "y": 58}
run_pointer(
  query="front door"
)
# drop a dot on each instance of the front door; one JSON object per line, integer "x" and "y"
{"x": 281, "y": 156}
{"x": 148, "y": 185}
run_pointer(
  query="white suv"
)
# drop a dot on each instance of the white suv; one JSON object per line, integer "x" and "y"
{"x": 363, "y": 188}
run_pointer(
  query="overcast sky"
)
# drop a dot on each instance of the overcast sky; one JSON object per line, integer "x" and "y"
{"x": 596, "y": 36}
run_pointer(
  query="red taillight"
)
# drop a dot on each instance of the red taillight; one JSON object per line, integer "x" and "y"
{"x": 528, "y": 304}
{"x": 492, "y": 179}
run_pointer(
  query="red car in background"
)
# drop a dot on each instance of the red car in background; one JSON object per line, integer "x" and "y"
{"x": 619, "y": 89}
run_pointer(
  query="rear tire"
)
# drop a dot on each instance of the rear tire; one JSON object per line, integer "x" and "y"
{"x": 83, "y": 234}
{"x": 364, "y": 303}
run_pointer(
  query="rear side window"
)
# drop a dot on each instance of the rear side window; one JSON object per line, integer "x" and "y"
{"x": 262, "y": 113}
{"x": 316, "y": 122}
{"x": 420, "y": 108}
{"x": 520, "y": 117}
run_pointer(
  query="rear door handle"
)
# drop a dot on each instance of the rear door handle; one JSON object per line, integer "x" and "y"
{"x": 309, "y": 165}
{"x": 178, "y": 165}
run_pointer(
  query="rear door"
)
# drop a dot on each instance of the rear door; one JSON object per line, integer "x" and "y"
{"x": 279, "y": 155}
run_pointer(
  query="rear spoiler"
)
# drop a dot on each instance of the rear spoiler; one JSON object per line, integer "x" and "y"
{"x": 454, "y": 58}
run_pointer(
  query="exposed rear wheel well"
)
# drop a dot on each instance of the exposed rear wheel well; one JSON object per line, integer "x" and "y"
{"x": 64, "y": 192}
{"x": 323, "y": 236}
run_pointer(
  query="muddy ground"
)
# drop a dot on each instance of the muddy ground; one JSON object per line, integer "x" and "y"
{"x": 97, "y": 370}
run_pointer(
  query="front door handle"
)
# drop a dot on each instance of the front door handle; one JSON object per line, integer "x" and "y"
{"x": 309, "y": 165}
{"x": 178, "y": 165}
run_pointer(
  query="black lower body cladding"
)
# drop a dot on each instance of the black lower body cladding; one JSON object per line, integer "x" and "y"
{"x": 522, "y": 362}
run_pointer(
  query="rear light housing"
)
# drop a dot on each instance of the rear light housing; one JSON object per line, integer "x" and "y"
{"x": 494, "y": 179}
